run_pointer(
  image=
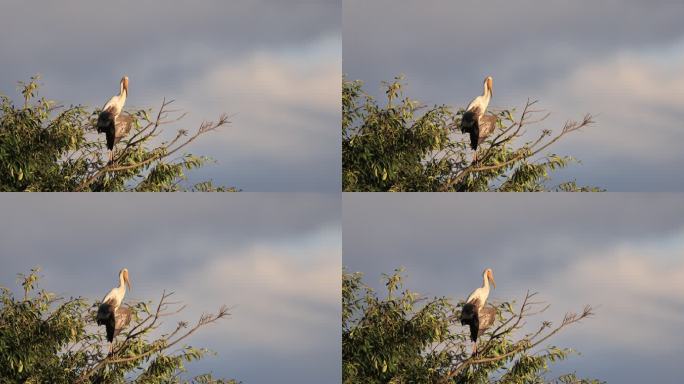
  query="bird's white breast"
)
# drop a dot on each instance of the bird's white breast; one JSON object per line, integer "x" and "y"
{"x": 478, "y": 102}
{"x": 478, "y": 294}
{"x": 116, "y": 103}
{"x": 116, "y": 295}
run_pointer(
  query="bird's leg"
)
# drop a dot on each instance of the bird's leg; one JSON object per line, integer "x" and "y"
{"x": 475, "y": 157}
{"x": 474, "y": 348}
{"x": 111, "y": 349}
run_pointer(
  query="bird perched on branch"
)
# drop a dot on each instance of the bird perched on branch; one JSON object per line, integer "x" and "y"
{"x": 475, "y": 314}
{"x": 109, "y": 312}
{"x": 110, "y": 121}
{"x": 474, "y": 120}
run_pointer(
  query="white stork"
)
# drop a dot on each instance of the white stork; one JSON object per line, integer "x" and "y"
{"x": 474, "y": 120}
{"x": 109, "y": 122}
{"x": 474, "y": 312}
{"x": 109, "y": 310}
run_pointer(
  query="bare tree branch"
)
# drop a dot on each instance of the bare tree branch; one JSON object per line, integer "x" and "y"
{"x": 148, "y": 324}
{"x": 146, "y": 133}
{"x": 507, "y": 135}
{"x": 509, "y": 326}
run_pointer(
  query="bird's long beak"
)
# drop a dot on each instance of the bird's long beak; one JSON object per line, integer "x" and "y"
{"x": 491, "y": 279}
{"x": 128, "y": 283}
{"x": 490, "y": 85}
{"x": 125, "y": 84}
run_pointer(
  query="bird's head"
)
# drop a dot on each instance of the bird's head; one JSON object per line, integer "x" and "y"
{"x": 490, "y": 276}
{"x": 124, "y": 275}
{"x": 124, "y": 84}
{"x": 489, "y": 84}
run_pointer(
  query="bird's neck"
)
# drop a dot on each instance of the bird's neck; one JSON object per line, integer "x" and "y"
{"x": 486, "y": 94}
{"x": 122, "y": 284}
{"x": 122, "y": 92}
{"x": 485, "y": 282}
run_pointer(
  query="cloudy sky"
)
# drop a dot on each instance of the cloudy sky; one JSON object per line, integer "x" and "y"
{"x": 274, "y": 66}
{"x": 622, "y": 253}
{"x": 274, "y": 258}
{"x": 620, "y": 60}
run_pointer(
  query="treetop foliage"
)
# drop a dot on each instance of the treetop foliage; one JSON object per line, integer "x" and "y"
{"x": 45, "y": 338}
{"x": 49, "y": 147}
{"x": 402, "y": 337}
{"x": 406, "y": 146}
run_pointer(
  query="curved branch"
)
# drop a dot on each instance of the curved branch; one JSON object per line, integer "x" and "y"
{"x": 530, "y": 341}
{"x": 165, "y": 150}
{"x": 527, "y": 151}
{"x": 164, "y": 343}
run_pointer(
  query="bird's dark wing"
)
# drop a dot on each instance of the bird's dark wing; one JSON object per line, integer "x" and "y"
{"x": 105, "y": 121}
{"x": 470, "y": 123}
{"x": 105, "y": 316}
{"x": 475, "y": 134}
{"x": 469, "y": 119}
{"x": 474, "y": 326}
{"x": 104, "y": 310}
{"x": 467, "y": 313}
{"x": 470, "y": 316}
{"x": 110, "y": 327}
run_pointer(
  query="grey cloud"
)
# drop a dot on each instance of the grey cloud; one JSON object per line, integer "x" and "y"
{"x": 446, "y": 48}
{"x": 275, "y": 258}
{"x": 236, "y": 220}
{"x": 457, "y": 38}
{"x": 82, "y": 48}
{"x": 619, "y": 252}
{"x": 463, "y": 226}
{"x": 129, "y": 26}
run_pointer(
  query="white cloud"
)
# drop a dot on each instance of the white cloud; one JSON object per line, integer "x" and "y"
{"x": 283, "y": 101}
{"x": 638, "y": 291}
{"x": 283, "y": 297}
{"x": 637, "y": 98}
{"x": 274, "y": 67}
